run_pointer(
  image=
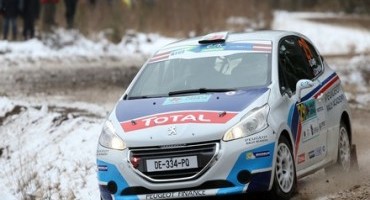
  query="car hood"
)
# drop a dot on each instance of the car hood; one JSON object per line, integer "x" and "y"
{"x": 183, "y": 119}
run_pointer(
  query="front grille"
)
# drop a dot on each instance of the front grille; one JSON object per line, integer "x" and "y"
{"x": 205, "y": 153}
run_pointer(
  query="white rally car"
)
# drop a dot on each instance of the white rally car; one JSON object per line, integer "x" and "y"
{"x": 225, "y": 114}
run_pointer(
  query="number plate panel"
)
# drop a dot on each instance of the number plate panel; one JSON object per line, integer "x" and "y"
{"x": 167, "y": 164}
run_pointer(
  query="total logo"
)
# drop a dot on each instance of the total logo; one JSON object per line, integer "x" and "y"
{"x": 177, "y": 118}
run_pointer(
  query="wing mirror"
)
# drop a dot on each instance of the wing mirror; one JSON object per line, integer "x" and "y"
{"x": 303, "y": 84}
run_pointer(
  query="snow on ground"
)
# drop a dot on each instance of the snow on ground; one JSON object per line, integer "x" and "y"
{"x": 70, "y": 46}
{"x": 6, "y": 106}
{"x": 48, "y": 150}
{"x": 329, "y": 39}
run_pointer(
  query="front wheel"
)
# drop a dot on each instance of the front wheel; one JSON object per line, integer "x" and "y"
{"x": 285, "y": 181}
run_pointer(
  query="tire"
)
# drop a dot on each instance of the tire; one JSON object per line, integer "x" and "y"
{"x": 344, "y": 149}
{"x": 344, "y": 159}
{"x": 285, "y": 179}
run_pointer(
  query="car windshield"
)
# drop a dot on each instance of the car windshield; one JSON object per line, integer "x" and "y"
{"x": 206, "y": 72}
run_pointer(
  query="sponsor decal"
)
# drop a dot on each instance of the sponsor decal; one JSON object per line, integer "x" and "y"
{"x": 260, "y": 47}
{"x": 301, "y": 158}
{"x": 317, "y": 152}
{"x": 332, "y": 97}
{"x": 336, "y": 101}
{"x": 102, "y": 168}
{"x": 311, "y": 154}
{"x": 101, "y": 152}
{"x": 178, "y": 52}
{"x": 181, "y": 194}
{"x": 214, "y": 47}
{"x": 184, "y": 117}
{"x": 254, "y": 155}
{"x": 256, "y": 139}
{"x": 187, "y": 99}
{"x": 261, "y": 154}
{"x": 250, "y": 156}
{"x": 310, "y": 133}
{"x": 322, "y": 124}
{"x": 332, "y": 93}
{"x": 320, "y": 109}
{"x": 307, "y": 110}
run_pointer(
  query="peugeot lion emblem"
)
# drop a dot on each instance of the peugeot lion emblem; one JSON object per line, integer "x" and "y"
{"x": 172, "y": 131}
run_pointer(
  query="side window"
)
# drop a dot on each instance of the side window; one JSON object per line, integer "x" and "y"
{"x": 293, "y": 63}
{"x": 312, "y": 57}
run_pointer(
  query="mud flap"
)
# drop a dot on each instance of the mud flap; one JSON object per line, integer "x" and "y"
{"x": 354, "y": 161}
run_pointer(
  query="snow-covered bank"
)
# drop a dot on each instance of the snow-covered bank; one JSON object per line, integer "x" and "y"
{"x": 71, "y": 46}
{"x": 330, "y": 39}
{"x": 48, "y": 150}
{"x": 356, "y": 79}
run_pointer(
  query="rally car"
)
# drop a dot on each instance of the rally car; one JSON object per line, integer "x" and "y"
{"x": 225, "y": 114}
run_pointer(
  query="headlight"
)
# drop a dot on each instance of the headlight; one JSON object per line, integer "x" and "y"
{"x": 109, "y": 139}
{"x": 253, "y": 122}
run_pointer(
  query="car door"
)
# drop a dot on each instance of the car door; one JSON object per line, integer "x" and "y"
{"x": 294, "y": 65}
{"x": 315, "y": 64}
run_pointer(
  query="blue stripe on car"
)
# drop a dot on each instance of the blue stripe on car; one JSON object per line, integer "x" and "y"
{"x": 243, "y": 163}
{"x": 310, "y": 94}
{"x": 112, "y": 174}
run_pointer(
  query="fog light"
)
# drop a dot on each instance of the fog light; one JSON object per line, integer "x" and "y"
{"x": 244, "y": 177}
{"x": 112, "y": 187}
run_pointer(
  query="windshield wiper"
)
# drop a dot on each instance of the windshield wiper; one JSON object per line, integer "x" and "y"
{"x": 200, "y": 90}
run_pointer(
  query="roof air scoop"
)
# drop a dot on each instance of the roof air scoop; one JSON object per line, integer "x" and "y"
{"x": 219, "y": 37}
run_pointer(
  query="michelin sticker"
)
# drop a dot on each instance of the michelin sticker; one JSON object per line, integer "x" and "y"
{"x": 260, "y": 154}
{"x": 102, "y": 168}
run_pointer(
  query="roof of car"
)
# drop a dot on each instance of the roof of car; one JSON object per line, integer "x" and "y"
{"x": 269, "y": 35}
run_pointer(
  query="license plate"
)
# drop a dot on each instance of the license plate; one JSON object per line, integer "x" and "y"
{"x": 176, "y": 163}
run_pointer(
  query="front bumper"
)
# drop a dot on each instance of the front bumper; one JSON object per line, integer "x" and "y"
{"x": 240, "y": 166}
